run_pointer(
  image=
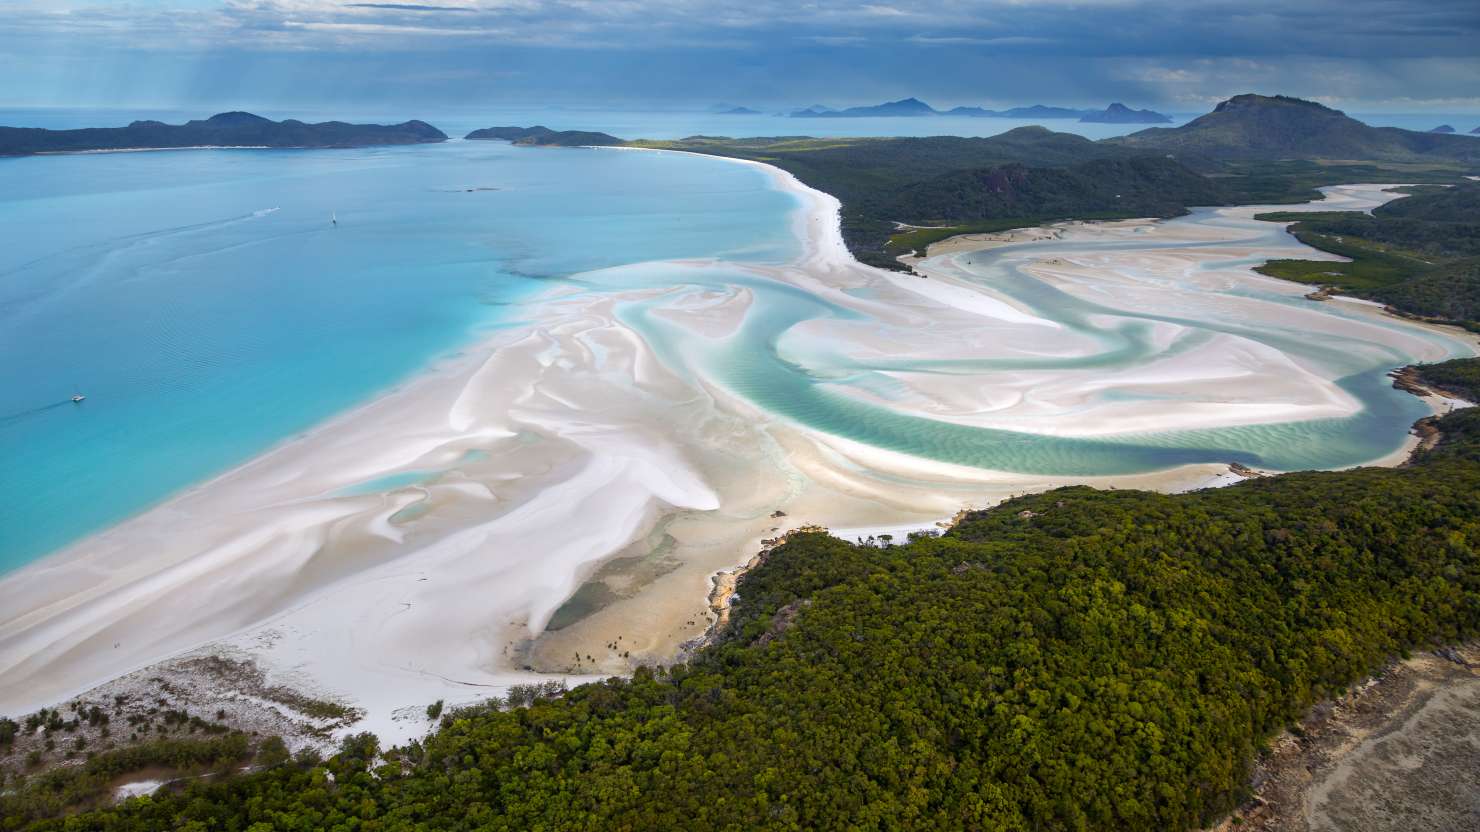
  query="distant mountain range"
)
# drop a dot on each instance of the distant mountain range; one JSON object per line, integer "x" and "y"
{"x": 545, "y": 137}
{"x": 1116, "y": 113}
{"x": 1265, "y": 128}
{"x": 223, "y": 130}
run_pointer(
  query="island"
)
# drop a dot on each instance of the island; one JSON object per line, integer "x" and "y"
{"x": 909, "y": 107}
{"x": 1038, "y": 111}
{"x": 1035, "y": 112}
{"x": 538, "y": 136}
{"x": 807, "y": 112}
{"x": 1443, "y": 128}
{"x": 1279, "y": 128}
{"x": 234, "y": 129}
{"x": 1118, "y": 113}
{"x": 739, "y": 111}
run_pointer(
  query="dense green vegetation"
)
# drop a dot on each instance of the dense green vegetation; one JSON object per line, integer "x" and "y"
{"x": 1419, "y": 254}
{"x": 1078, "y": 659}
{"x": 1141, "y": 186}
{"x": 1460, "y": 377}
{"x": 545, "y": 137}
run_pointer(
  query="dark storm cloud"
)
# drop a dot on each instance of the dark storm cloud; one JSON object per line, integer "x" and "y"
{"x": 765, "y": 51}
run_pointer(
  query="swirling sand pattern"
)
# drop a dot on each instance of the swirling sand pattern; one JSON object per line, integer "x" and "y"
{"x": 416, "y": 548}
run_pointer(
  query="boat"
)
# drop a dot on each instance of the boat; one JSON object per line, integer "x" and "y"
{"x": 334, "y": 218}
{"x": 77, "y": 399}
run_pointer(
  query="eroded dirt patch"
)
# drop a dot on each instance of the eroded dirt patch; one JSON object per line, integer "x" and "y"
{"x": 1400, "y": 752}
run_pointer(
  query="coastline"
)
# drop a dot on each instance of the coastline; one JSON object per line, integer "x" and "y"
{"x": 594, "y": 451}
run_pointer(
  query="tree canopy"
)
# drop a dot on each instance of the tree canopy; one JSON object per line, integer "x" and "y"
{"x": 1078, "y": 659}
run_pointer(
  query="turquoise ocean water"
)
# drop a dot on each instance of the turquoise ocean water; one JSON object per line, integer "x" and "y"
{"x": 207, "y": 308}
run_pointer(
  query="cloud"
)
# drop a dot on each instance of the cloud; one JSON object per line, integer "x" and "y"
{"x": 974, "y": 51}
{"x": 958, "y": 40}
{"x": 1085, "y": 27}
{"x": 837, "y": 40}
{"x": 393, "y": 29}
{"x": 407, "y": 7}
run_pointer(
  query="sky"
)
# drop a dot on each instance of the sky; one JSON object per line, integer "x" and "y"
{"x": 1359, "y": 55}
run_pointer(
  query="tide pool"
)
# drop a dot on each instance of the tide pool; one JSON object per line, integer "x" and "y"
{"x": 208, "y": 309}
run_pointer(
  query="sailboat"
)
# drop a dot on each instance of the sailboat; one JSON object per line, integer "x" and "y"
{"x": 334, "y": 218}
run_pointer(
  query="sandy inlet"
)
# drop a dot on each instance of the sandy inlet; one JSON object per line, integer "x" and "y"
{"x": 554, "y": 501}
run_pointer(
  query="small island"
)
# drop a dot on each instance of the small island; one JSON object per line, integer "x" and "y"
{"x": 904, "y": 107}
{"x": 1035, "y": 112}
{"x": 1443, "y": 128}
{"x": 236, "y": 129}
{"x": 1118, "y": 113}
{"x": 538, "y": 136}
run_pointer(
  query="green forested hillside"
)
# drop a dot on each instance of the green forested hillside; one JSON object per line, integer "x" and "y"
{"x": 1028, "y": 175}
{"x": 1460, "y": 377}
{"x": 1279, "y": 127}
{"x": 1078, "y": 659}
{"x": 1419, "y": 254}
{"x": 1140, "y": 187}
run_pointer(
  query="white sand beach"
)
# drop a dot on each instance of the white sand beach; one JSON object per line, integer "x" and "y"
{"x": 572, "y": 448}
